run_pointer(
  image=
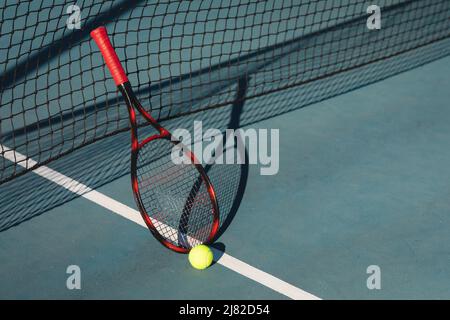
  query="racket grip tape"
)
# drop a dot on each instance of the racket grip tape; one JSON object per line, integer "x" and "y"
{"x": 101, "y": 38}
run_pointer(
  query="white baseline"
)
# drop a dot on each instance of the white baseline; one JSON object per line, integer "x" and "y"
{"x": 126, "y": 212}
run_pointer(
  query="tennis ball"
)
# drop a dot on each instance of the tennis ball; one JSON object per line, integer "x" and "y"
{"x": 200, "y": 257}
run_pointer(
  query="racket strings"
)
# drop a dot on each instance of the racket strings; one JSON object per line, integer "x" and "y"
{"x": 174, "y": 196}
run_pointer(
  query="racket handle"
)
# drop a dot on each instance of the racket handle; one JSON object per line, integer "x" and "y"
{"x": 101, "y": 38}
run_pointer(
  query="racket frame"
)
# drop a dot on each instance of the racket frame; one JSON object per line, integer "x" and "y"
{"x": 114, "y": 65}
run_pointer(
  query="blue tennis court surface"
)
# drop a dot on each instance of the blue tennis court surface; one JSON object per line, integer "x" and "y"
{"x": 363, "y": 181}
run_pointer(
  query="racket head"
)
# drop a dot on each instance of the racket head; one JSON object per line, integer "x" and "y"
{"x": 176, "y": 200}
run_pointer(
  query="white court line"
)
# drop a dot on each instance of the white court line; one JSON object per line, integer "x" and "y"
{"x": 126, "y": 212}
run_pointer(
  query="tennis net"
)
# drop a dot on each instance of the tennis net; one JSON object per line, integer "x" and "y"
{"x": 185, "y": 59}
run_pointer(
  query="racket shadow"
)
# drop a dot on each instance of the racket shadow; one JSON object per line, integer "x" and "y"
{"x": 229, "y": 179}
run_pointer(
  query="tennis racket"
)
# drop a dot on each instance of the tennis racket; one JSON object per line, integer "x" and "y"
{"x": 162, "y": 188}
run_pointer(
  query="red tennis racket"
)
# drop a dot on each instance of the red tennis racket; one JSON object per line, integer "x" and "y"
{"x": 179, "y": 218}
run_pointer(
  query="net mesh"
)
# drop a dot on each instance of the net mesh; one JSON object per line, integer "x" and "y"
{"x": 185, "y": 60}
{"x": 181, "y": 57}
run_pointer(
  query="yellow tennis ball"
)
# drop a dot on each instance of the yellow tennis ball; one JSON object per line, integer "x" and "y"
{"x": 200, "y": 257}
